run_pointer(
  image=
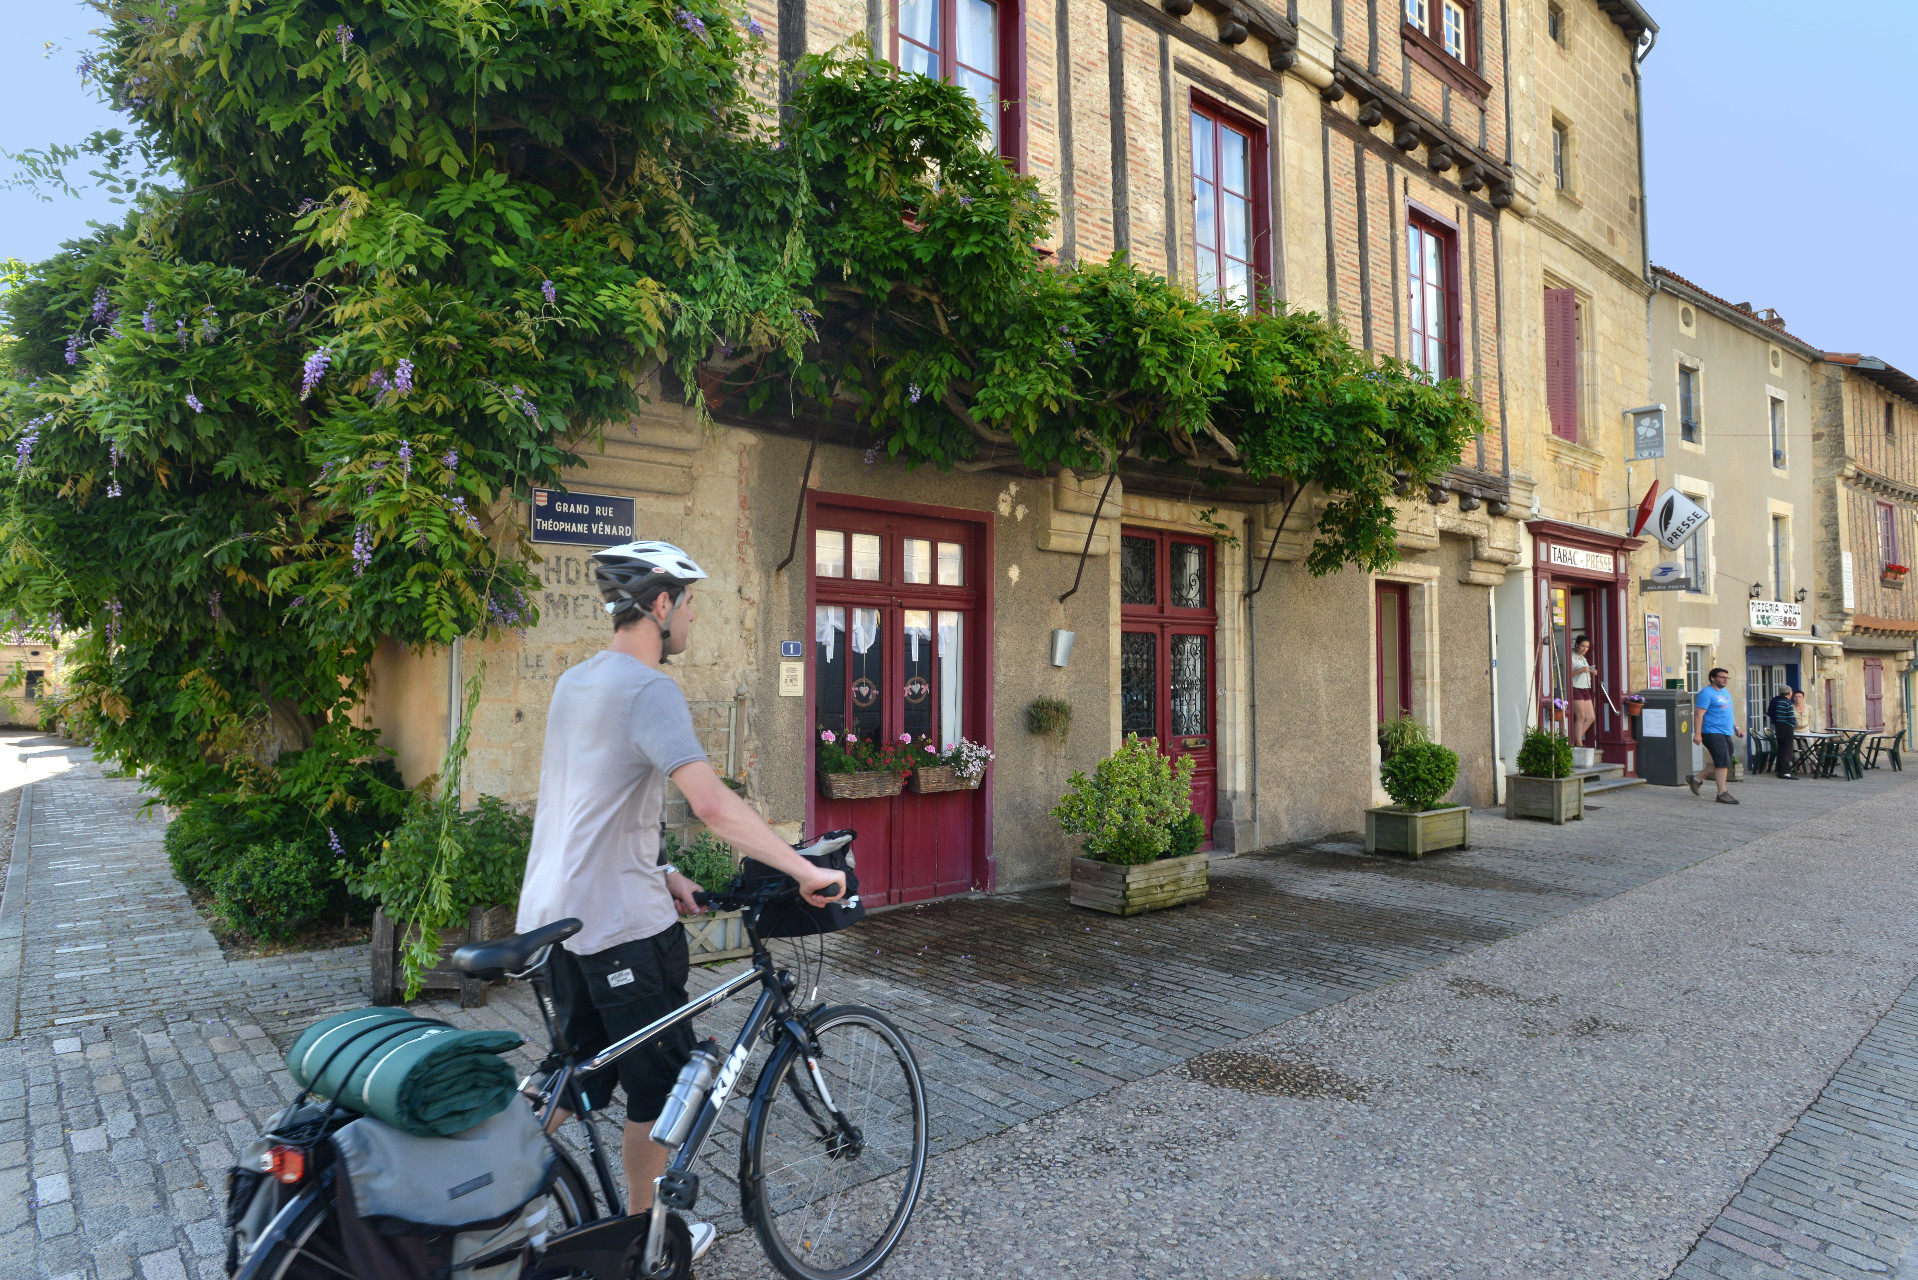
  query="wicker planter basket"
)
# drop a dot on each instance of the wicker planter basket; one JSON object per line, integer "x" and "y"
{"x": 871, "y": 785}
{"x": 927, "y": 782}
{"x": 387, "y": 985}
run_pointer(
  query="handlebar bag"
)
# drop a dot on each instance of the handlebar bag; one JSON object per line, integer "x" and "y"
{"x": 798, "y": 919}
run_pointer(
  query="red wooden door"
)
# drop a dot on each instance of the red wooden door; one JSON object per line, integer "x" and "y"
{"x": 1168, "y": 650}
{"x": 896, "y": 645}
{"x": 1875, "y": 694}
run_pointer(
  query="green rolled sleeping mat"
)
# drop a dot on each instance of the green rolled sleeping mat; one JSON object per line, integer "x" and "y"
{"x": 423, "y": 1077}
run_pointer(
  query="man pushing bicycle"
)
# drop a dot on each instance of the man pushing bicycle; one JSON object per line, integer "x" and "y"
{"x": 619, "y": 727}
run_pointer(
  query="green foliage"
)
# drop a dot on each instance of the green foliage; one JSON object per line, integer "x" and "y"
{"x": 1049, "y": 717}
{"x": 493, "y": 840}
{"x": 1188, "y": 833}
{"x": 206, "y": 837}
{"x": 708, "y": 861}
{"x": 420, "y": 255}
{"x": 1419, "y": 775}
{"x": 273, "y": 888}
{"x": 1397, "y": 734}
{"x": 1128, "y": 809}
{"x": 1545, "y": 755}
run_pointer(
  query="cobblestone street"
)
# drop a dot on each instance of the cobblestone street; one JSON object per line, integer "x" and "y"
{"x": 1569, "y": 1051}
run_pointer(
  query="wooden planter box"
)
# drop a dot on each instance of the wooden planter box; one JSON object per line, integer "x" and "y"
{"x": 1150, "y": 886}
{"x": 927, "y": 782}
{"x": 871, "y": 785}
{"x": 482, "y": 925}
{"x": 715, "y": 936}
{"x": 1557, "y": 800}
{"x": 1393, "y": 830}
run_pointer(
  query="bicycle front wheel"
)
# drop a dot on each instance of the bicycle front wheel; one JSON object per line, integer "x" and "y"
{"x": 829, "y": 1198}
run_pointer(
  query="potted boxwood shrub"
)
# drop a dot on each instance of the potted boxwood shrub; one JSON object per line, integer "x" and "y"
{"x": 1418, "y": 775}
{"x": 1545, "y": 786}
{"x": 457, "y": 873}
{"x": 708, "y": 861}
{"x": 850, "y": 768}
{"x": 1141, "y": 838}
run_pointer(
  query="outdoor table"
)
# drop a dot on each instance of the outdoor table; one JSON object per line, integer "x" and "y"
{"x": 1808, "y": 744}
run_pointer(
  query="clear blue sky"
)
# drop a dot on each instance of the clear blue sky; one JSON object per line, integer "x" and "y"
{"x": 1773, "y": 165}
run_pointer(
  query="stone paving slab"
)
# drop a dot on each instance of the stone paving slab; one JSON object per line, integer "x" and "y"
{"x": 1018, "y": 1005}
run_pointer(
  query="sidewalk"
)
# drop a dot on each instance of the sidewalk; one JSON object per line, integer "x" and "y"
{"x": 1024, "y": 1011}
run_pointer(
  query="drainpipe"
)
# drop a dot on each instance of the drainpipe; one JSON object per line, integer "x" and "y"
{"x": 1252, "y": 699}
{"x": 1491, "y": 645}
{"x": 455, "y": 708}
{"x": 1638, "y": 104}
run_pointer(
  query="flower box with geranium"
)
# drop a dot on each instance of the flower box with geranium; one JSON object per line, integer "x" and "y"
{"x": 1894, "y": 575}
{"x": 960, "y": 767}
{"x": 855, "y": 768}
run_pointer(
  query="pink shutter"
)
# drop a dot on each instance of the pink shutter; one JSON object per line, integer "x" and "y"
{"x": 1561, "y": 361}
{"x": 1875, "y": 694}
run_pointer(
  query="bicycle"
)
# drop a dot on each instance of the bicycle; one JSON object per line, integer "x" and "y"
{"x": 831, "y": 1160}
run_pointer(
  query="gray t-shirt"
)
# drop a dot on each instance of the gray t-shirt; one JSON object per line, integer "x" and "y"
{"x": 616, "y": 729}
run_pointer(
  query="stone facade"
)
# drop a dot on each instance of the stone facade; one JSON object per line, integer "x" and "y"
{"x": 1728, "y": 375}
{"x": 1358, "y": 129}
{"x": 32, "y": 674}
{"x": 1866, "y": 439}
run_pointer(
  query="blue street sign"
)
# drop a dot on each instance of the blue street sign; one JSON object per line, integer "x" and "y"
{"x": 792, "y": 649}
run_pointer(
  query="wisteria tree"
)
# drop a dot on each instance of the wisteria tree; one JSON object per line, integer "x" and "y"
{"x": 416, "y": 251}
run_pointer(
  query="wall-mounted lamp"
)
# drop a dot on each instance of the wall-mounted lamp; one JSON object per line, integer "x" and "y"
{"x": 1800, "y": 596}
{"x": 1758, "y": 589}
{"x": 1062, "y": 647}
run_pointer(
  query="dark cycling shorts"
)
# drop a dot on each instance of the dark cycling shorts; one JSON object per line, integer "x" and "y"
{"x": 611, "y": 994}
{"x": 1719, "y": 745}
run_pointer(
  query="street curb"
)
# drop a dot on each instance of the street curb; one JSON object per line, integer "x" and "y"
{"x": 13, "y": 917}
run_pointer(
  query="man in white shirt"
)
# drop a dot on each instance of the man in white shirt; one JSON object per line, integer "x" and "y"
{"x": 619, "y": 727}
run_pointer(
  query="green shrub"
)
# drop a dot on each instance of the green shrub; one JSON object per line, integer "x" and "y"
{"x": 485, "y": 859}
{"x": 208, "y": 836}
{"x": 1049, "y": 718}
{"x": 707, "y": 861}
{"x": 1126, "y": 810}
{"x": 1419, "y": 775}
{"x": 1545, "y": 755}
{"x": 1188, "y": 833}
{"x": 273, "y": 888}
{"x": 1396, "y": 735}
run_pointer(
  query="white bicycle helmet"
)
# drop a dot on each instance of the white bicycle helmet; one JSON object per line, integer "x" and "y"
{"x": 631, "y": 576}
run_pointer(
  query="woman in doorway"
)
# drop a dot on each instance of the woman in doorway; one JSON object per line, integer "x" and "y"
{"x": 1584, "y": 709}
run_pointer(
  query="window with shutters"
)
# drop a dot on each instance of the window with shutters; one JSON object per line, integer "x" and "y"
{"x": 1445, "y": 26}
{"x": 1780, "y": 558}
{"x": 977, "y": 45}
{"x": 1696, "y": 552}
{"x": 1432, "y": 271}
{"x": 1874, "y": 695}
{"x": 1777, "y": 433}
{"x": 1561, "y": 157}
{"x": 1231, "y": 228}
{"x": 1562, "y": 343}
{"x": 1888, "y": 534}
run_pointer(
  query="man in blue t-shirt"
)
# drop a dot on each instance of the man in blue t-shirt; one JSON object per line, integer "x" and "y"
{"x": 1714, "y": 729}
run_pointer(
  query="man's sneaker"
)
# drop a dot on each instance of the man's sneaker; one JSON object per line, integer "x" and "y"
{"x": 703, "y": 1233}
{"x": 1691, "y": 780}
{"x": 1788, "y": 777}
{"x": 1724, "y": 797}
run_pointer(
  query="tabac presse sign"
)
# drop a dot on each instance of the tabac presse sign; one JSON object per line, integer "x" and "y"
{"x": 582, "y": 519}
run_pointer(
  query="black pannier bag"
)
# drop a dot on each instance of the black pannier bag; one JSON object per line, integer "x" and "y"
{"x": 413, "y": 1208}
{"x": 798, "y": 919}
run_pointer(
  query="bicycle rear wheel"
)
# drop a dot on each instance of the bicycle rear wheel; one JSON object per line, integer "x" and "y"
{"x": 828, "y": 1204}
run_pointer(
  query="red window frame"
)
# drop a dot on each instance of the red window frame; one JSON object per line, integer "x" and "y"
{"x": 1011, "y": 32}
{"x": 1888, "y": 534}
{"x": 1395, "y": 686}
{"x": 1420, "y": 227}
{"x": 1223, "y": 117}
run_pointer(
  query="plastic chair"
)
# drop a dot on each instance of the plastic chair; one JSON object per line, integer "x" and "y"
{"x": 1853, "y": 753}
{"x": 1889, "y": 745}
{"x": 1764, "y": 747}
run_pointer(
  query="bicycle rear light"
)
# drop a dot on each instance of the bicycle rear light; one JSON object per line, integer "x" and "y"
{"x": 288, "y": 1164}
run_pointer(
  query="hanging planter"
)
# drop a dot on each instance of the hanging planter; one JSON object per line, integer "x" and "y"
{"x": 926, "y": 782}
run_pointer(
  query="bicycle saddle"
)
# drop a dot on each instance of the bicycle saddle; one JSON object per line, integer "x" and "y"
{"x": 502, "y": 956}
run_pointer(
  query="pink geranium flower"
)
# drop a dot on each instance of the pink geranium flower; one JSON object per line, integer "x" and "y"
{"x": 828, "y": 736}
{"x": 905, "y": 737}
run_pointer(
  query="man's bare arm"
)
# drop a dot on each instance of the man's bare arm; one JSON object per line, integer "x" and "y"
{"x": 734, "y": 821}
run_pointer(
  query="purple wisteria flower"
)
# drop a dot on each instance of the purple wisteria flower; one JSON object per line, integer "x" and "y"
{"x": 754, "y": 30}
{"x": 377, "y": 381}
{"x": 73, "y": 349}
{"x": 146, "y": 318}
{"x": 313, "y": 370}
{"x": 403, "y": 377}
{"x": 550, "y": 289}
{"x": 307, "y": 206}
{"x": 344, "y": 35}
{"x": 406, "y": 460}
{"x": 375, "y": 475}
{"x": 88, "y": 66}
{"x": 913, "y": 392}
{"x": 362, "y": 549}
{"x": 809, "y": 319}
{"x": 524, "y": 403}
{"x": 451, "y": 461}
{"x": 23, "y": 450}
{"x": 100, "y": 303}
{"x": 113, "y": 622}
{"x": 179, "y": 331}
{"x": 466, "y": 518}
{"x": 210, "y": 324}
{"x": 966, "y": 201}
{"x": 872, "y": 456}
{"x": 691, "y": 21}
{"x": 333, "y": 843}
{"x": 213, "y": 605}
{"x": 193, "y": 403}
